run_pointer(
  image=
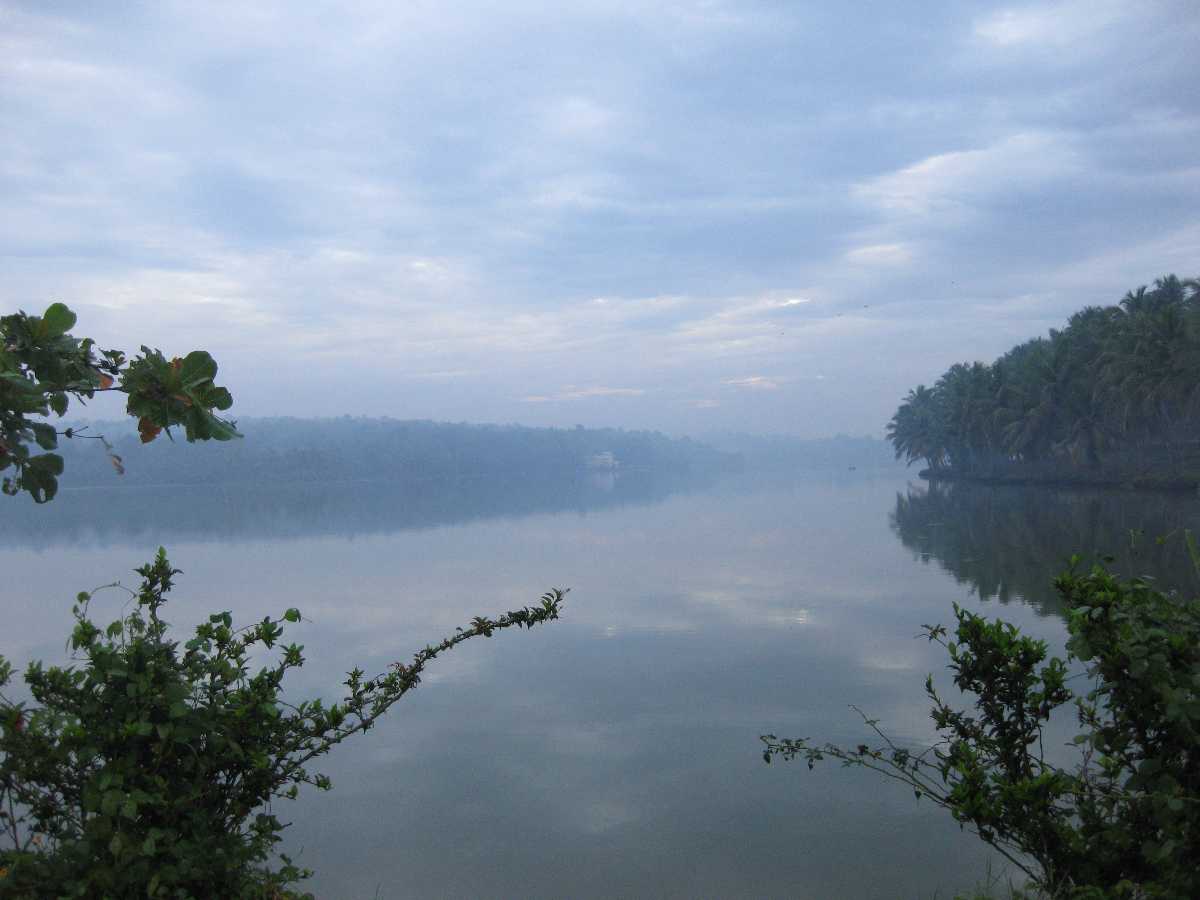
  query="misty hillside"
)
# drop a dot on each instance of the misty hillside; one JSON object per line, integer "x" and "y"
{"x": 351, "y": 449}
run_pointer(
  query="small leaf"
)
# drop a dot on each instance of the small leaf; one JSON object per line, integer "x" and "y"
{"x": 148, "y": 429}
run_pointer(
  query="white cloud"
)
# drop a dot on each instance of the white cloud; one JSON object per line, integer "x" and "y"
{"x": 580, "y": 191}
{"x": 880, "y": 255}
{"x": 579, "y": 118}
{"x": 960, "y": 180}
{"x": 1074, "y": 23}
{"x": 448, "y": 373}
{"x": 754, "y": 382}
{"x": 582, "y": 393}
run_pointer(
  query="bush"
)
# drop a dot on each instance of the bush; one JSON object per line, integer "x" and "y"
{"x": 149, "y": 769}
{"x": 1125, "y": 822}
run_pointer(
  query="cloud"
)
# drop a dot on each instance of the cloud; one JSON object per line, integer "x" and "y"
{"x": 451, "y": 373}
{"x": 580, "y": 393}
{"x": 962, "y": 180}
{"x": 579, "y": 118}
{"x": 753, "y": 382}
{"x": 577, "y": 393}
{"x": 429, "y": 210}
{"x": 1073, "y": 23}
{"x": 881, "y": 255}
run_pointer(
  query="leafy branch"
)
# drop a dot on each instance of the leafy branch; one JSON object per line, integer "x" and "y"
{"x": 155, "y": 764}
{"x": 43, "y": 367}
{"x": 1125, "y": 821}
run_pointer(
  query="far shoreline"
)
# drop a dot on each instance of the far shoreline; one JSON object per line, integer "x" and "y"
{"x": 1146, "y": 482}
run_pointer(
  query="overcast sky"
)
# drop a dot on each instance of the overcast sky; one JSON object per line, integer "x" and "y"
{"x": 679, "y": 215}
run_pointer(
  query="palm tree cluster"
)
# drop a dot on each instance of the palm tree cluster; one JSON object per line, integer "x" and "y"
{"x": 1118, "y": 389}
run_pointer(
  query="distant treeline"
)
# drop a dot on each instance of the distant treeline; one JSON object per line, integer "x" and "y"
{"x": 1112, "y": 398}
{"x": 336, "y": 450}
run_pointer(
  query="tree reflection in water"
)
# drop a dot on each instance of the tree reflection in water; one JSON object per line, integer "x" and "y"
{"x": 1007, "y": 543}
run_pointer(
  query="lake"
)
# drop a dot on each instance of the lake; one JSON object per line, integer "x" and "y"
{"x": 615, "y": 752}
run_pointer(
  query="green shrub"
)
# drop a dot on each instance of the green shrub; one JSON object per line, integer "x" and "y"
{"x": 149, "y": 769}
{"x": 1124, "y": 822}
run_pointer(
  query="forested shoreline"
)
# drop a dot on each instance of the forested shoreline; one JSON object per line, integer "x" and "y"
{"x": 1111, "y": 399}
{"x": 335, "y": 450}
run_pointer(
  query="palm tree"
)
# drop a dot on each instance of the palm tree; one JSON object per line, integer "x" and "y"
{"x": 917, "y": 430}
{"x": 1117, "y": 377}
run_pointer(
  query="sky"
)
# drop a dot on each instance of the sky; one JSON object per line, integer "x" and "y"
{"x": 685, "y": 216}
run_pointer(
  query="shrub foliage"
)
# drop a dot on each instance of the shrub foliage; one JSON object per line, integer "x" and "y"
{"x": 1125, "y": 821}
{"x": 148, "y": 768}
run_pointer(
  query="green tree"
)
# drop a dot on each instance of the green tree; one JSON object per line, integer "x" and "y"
{"x": 917, "y": 430}
{"x": 43, "y": 367}
{"x": 1119, "y": 387}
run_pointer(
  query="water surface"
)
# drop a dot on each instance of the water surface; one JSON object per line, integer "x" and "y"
{"x": 613, "y": 753}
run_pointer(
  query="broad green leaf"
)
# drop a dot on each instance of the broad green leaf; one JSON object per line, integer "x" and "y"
{"x": 198, "y": 367}
{"x": 48, "y": 462}
{"x": 219, "y": 398}
{"x": 45, "y": 435}
{"x": 57, "y": 320}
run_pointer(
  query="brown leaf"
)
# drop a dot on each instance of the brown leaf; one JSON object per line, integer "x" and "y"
{"x": 148, "y": 430}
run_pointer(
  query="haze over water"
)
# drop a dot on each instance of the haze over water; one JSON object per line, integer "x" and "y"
{"x": 614, "y": 752}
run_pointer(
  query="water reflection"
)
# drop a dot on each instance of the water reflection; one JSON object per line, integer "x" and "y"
{"x": 1008, "y": 542}
{"x": 613, "y": 753}
{"x": 166, "y": 514}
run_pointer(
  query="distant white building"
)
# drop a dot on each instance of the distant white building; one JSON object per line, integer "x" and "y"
{"x": 603, "y": 461}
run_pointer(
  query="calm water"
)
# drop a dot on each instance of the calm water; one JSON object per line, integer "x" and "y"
{"x": 614, "y": 753}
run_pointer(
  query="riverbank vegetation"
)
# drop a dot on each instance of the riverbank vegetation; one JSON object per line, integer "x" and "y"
{"x": 148, "y": 766}
{"x": 1112, "y": 398}
{"x": 344, "y": 449}
{"x": 1124, "y": 820}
